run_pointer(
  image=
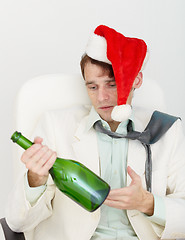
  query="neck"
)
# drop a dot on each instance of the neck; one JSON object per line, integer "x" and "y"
{"x": 113, "y": 125}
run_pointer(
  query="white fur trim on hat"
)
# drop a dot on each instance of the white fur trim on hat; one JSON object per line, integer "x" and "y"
{"x": 145, "y": 60}
{"x": 97, "y": 48}
{"x": 121, "y": 113}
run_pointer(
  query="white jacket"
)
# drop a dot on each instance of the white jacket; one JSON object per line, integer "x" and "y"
{"x": 57, "y": 217}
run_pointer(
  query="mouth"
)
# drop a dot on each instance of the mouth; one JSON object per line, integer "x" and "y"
{"x": 106, "y": 107}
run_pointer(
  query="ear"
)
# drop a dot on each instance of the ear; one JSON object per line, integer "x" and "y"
{"x": 138, "y": 81}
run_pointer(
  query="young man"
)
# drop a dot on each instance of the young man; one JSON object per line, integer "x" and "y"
{"x": 111, "y": 74}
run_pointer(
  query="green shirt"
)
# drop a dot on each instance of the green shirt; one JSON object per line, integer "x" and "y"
{"x": 114, "y": 223}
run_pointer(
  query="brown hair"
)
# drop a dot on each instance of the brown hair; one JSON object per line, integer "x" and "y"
{"x": 85, "y": 59}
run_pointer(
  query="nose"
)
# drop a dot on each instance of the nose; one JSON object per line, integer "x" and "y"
{"x": 102, "y": 94}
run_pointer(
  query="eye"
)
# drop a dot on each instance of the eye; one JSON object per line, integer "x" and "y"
{"x": 112, "y": 84}
{"x": 92, "y": 87}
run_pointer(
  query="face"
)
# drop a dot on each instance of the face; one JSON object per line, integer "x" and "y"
{"x": 101, "y": 89}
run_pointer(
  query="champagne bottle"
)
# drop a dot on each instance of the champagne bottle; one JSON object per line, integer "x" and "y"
{"x": 74, "y": 179}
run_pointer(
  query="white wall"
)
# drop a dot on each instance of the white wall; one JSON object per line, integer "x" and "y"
{"x": 44, "y": 36}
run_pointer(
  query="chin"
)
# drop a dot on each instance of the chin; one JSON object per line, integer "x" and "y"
{"x": 106, "y": 117}
{"x": 105, "y": 114}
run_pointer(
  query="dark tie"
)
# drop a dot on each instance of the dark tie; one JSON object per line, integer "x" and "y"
{"x": 143, "y": 137}
{"x": 156, "y": 128}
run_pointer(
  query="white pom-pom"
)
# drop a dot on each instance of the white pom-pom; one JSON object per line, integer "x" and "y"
{"x": 121, "y": 113}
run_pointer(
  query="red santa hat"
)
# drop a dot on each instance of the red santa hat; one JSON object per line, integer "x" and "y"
{"x": 126, "y": 56}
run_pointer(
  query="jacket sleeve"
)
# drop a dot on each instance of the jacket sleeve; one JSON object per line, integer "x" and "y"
{"x": 20, "y": 215}
{"x": 175, "y": 192}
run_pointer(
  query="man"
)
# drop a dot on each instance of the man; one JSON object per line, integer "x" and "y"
{"x": 130, "y": 211}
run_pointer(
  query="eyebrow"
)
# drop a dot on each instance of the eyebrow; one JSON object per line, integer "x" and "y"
{"x": 92, "y": 82}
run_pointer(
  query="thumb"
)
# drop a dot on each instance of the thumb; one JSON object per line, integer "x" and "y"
{"x": 134, "y": 176}
{"x": 38, "y": 140}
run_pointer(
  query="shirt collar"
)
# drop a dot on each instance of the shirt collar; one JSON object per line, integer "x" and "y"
{"x": 94, "y": 117}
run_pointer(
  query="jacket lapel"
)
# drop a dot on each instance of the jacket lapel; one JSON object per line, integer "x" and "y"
{"x": 86, "y": 151}
{"x": 136, "y": 160}
{"x": 85, "y": 147}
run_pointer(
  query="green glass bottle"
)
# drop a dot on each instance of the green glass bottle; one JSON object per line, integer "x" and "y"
{"x": 74, "y": 179}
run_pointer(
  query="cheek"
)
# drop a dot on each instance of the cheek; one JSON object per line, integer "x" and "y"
{"x": 92, "y": 96}
{"x": 114, "y": 95}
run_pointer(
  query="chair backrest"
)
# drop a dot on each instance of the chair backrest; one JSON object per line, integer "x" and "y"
{"x": 2, "y": 237}
{"x": 55, "y": 91}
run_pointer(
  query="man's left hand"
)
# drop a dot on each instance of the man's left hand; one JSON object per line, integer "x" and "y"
{"x": 132, "y": 197}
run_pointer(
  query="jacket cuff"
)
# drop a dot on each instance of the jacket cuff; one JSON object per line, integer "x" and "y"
{"x": 159, "y": 215}
{"x": 33, "y": 193}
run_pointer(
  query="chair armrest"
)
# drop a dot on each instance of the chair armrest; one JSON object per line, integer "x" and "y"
{"x": 8, "y": 233}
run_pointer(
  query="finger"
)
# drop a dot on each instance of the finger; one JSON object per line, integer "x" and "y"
{"x": 44, "y": 158}
{"x": 134, "y": 176}
{"x": 114, "y": 193}
{"x": 41, "y": 154}
{"x": 30, "y": 152}
{"x": 115, "y": 204}
{"x": 32, "y": 163}
{"x": 48, "y": 165}
{"x": 38, "y": 140}
{"x": 37, "y": 164}
{"x": 118, "y": 198}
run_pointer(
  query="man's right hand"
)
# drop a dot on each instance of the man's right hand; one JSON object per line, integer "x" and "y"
{"x": 38, "y": 159}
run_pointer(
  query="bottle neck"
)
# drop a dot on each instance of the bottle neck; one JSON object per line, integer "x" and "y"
{"x": 21, "y": 140}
